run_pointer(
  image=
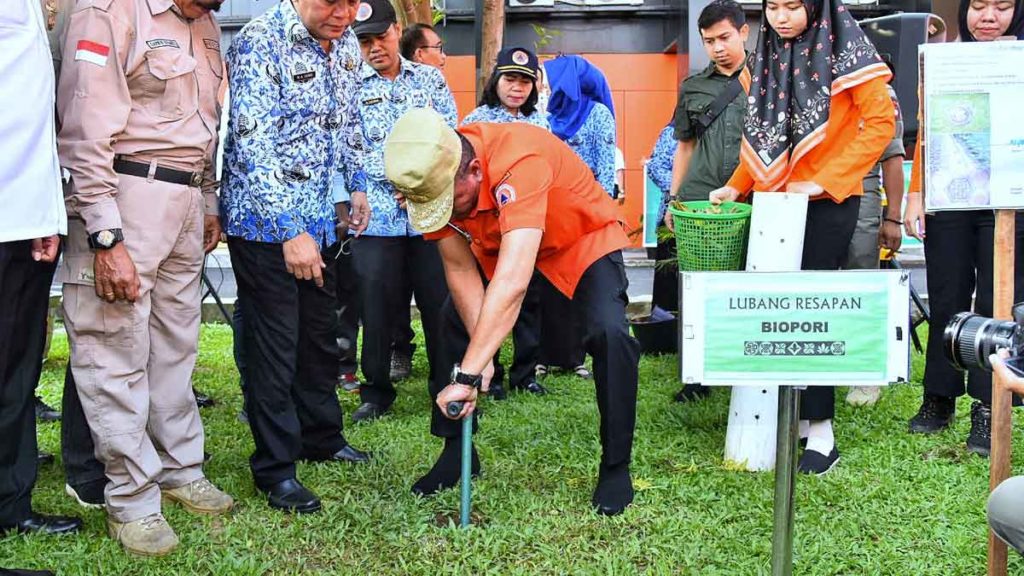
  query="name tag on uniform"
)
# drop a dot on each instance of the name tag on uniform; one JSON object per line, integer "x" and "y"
{"x": 302, "y": 73}
{"x": 162, "y": 43}
{"x": 372, "y": 101}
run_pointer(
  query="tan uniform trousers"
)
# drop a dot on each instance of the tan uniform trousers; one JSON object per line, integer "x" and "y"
{"x": 133, "y": 362}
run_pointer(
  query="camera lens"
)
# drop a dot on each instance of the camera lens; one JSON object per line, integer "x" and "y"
{"x": 969, "y": 339}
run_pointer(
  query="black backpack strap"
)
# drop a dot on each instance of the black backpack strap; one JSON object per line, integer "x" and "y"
{"x": 725, "y": 97}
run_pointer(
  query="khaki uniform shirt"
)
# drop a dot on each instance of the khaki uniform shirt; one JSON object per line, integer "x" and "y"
{"x": 138, "y": 81}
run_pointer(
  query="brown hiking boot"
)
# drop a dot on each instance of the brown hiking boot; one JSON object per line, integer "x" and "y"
{"x": 149, "y": 536}
{"x": 200, "y": 497}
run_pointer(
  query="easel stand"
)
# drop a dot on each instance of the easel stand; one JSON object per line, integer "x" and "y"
{"x": 1002, "y": 307}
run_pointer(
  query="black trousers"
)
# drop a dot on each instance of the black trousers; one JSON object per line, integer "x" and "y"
{"x": 347, "y": 294}
{"x": 959, "y": 250}
{"x": 600, "y": 303}
{"x": 827, "y": 238}
{"x": 404, "y": 334}
{"x": 665, "y": 290}
{"x": 561, "y": 332}
{"x": 382, "y": 267}
{"x": 24, "y": 299}
{"x": 78, "y": 453}
{"x": 291, "y": 361}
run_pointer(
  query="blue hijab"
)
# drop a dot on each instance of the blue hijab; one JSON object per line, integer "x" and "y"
{"x": 576, "y": 85}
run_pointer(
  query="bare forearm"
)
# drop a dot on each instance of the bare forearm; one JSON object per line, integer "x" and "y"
{"x": 892, "y": 177}
{"x": 496, "y": 319}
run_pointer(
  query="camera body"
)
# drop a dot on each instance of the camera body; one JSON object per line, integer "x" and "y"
{"x": 969, "y": 339}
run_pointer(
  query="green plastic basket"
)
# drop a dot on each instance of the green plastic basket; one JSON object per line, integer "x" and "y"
{"x": 710, "y": 242}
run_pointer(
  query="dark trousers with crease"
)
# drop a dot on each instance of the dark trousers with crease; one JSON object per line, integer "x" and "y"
{"x": 24, "y": 299}
{"x": 77, "y": 451}
{"x": 827, "y": 238}
{"x": 384, "y": 266}
{"x": 600, "y": 305}
{"x": 561, "y": 333}
{"x": 291, "y": 361}
{"x": 958, "y": 247}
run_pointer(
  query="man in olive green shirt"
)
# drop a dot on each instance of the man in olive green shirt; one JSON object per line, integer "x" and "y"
{"x": 706, "y": 156}
{"x": 707, "y": 149}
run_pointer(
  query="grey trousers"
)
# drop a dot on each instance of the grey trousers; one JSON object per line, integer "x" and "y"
{"x": 863, "y": 253}
{"x": 1006, "y": 512}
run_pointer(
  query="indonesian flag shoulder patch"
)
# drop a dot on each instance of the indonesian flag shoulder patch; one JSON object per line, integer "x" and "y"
{"x": 92, "y": 52}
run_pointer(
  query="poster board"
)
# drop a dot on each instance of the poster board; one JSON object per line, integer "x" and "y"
{"x": 973, "y": 125}
{"x": 835, "y": 328}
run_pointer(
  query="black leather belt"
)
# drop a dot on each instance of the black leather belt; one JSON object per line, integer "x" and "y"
{"x": 169, "y": 175}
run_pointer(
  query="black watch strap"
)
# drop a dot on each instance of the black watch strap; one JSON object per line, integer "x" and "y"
{"x": 105, "y": 239}
{"x": 474, "y": 380}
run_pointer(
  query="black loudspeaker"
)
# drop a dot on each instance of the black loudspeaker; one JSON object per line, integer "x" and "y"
{"x": 897, "y": 37}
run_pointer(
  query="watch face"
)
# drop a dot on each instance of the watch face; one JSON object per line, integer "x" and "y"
{"x": 105, "y": 238}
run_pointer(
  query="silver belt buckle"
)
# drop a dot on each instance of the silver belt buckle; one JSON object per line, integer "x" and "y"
{"x": 197, "y": 179}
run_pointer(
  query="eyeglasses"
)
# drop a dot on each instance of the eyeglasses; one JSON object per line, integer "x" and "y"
{"x": 439, "y": 47}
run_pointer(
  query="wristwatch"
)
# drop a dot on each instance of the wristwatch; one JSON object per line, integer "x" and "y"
{"x": 464, "y": 379}
{"x": 105, "y": 239}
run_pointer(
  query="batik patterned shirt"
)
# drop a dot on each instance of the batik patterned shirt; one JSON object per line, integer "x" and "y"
{"x": 294, "y": 134}
{"x": 595, "y": 144}
{"x": 499, "y": 115}
{"x": 659, "y": 168}
{"x": 381, "y": 103}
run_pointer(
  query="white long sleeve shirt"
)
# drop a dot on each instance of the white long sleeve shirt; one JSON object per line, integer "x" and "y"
{"x": 31, "y": 199}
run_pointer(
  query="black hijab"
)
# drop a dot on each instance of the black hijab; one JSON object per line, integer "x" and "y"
{"x": 1016, "y": 27}
{"x": 793, "y": 83}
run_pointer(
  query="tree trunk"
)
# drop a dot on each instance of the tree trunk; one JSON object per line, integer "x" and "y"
{"x": 493, "y": 29}
{"x": 415, "y": 12}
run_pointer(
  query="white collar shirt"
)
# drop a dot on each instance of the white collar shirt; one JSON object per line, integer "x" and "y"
{"x": 30, "y": 186}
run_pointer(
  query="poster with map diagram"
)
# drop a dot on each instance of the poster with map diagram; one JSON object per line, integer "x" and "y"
{"x": 973, "y": 125}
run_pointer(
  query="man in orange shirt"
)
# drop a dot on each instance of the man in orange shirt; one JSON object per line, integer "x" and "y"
{"x": 510, "y": 198}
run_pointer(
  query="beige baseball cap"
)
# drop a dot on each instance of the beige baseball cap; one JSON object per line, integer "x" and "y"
{"x": 421, "y": 157}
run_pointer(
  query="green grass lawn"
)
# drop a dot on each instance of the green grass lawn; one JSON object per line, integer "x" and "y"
{"x": 897, "y": 504}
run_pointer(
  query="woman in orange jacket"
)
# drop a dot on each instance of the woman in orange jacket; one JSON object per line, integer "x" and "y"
{"x": 819, "y": 116}
{"x": 958, "y": 249}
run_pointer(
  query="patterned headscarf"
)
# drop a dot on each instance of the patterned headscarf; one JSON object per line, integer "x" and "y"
{"x": 793, "y": 83}
{"x": 1016, "y": 27}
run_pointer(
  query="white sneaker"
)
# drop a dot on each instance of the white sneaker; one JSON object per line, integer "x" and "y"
{"x": 863, "y": 395}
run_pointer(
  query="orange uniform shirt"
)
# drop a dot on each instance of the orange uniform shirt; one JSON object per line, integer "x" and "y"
{"x": 534, "y": 180}
{"x": 861, "y": 124}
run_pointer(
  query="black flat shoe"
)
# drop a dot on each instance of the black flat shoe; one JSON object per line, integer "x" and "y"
{"x": 533, "y": 387}
{"x": 46, "y": 413}
{"x": 368, "y": 411}
{"x": 291, "y": 496}
{"x": 42, "y": 524}
{"x": 44, "y": 458}
{"x": 497, "y": 391}
{"x": 346, "y": 454}
{"x": 816, "y": 463}
{"x": 202, "y": 400}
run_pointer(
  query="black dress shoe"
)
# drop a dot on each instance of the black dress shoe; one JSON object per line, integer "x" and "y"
{"x": 346, "y": 454}
{"x": 46, "y": 413}
{"x": 369, "y": 411}
{"x": 692, "y": 392}
{"x": 291, "y": 496}
{"x": 533, "y": 387}
{"x": 202, "y": 400}
{"x": 497, "y": 391}
{"x": 816, "y": 463}
{"x": 41, "y": 524}
{"x": 44, "y": 458}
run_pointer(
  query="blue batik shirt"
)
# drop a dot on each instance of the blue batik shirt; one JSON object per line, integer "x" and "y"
{"x": 500, "y": 115}
{"x": 294, "y": 133}
{"x": 659, "y": 167}
{"x": 594, "y": 142}
{"x": 381, "y": 103}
